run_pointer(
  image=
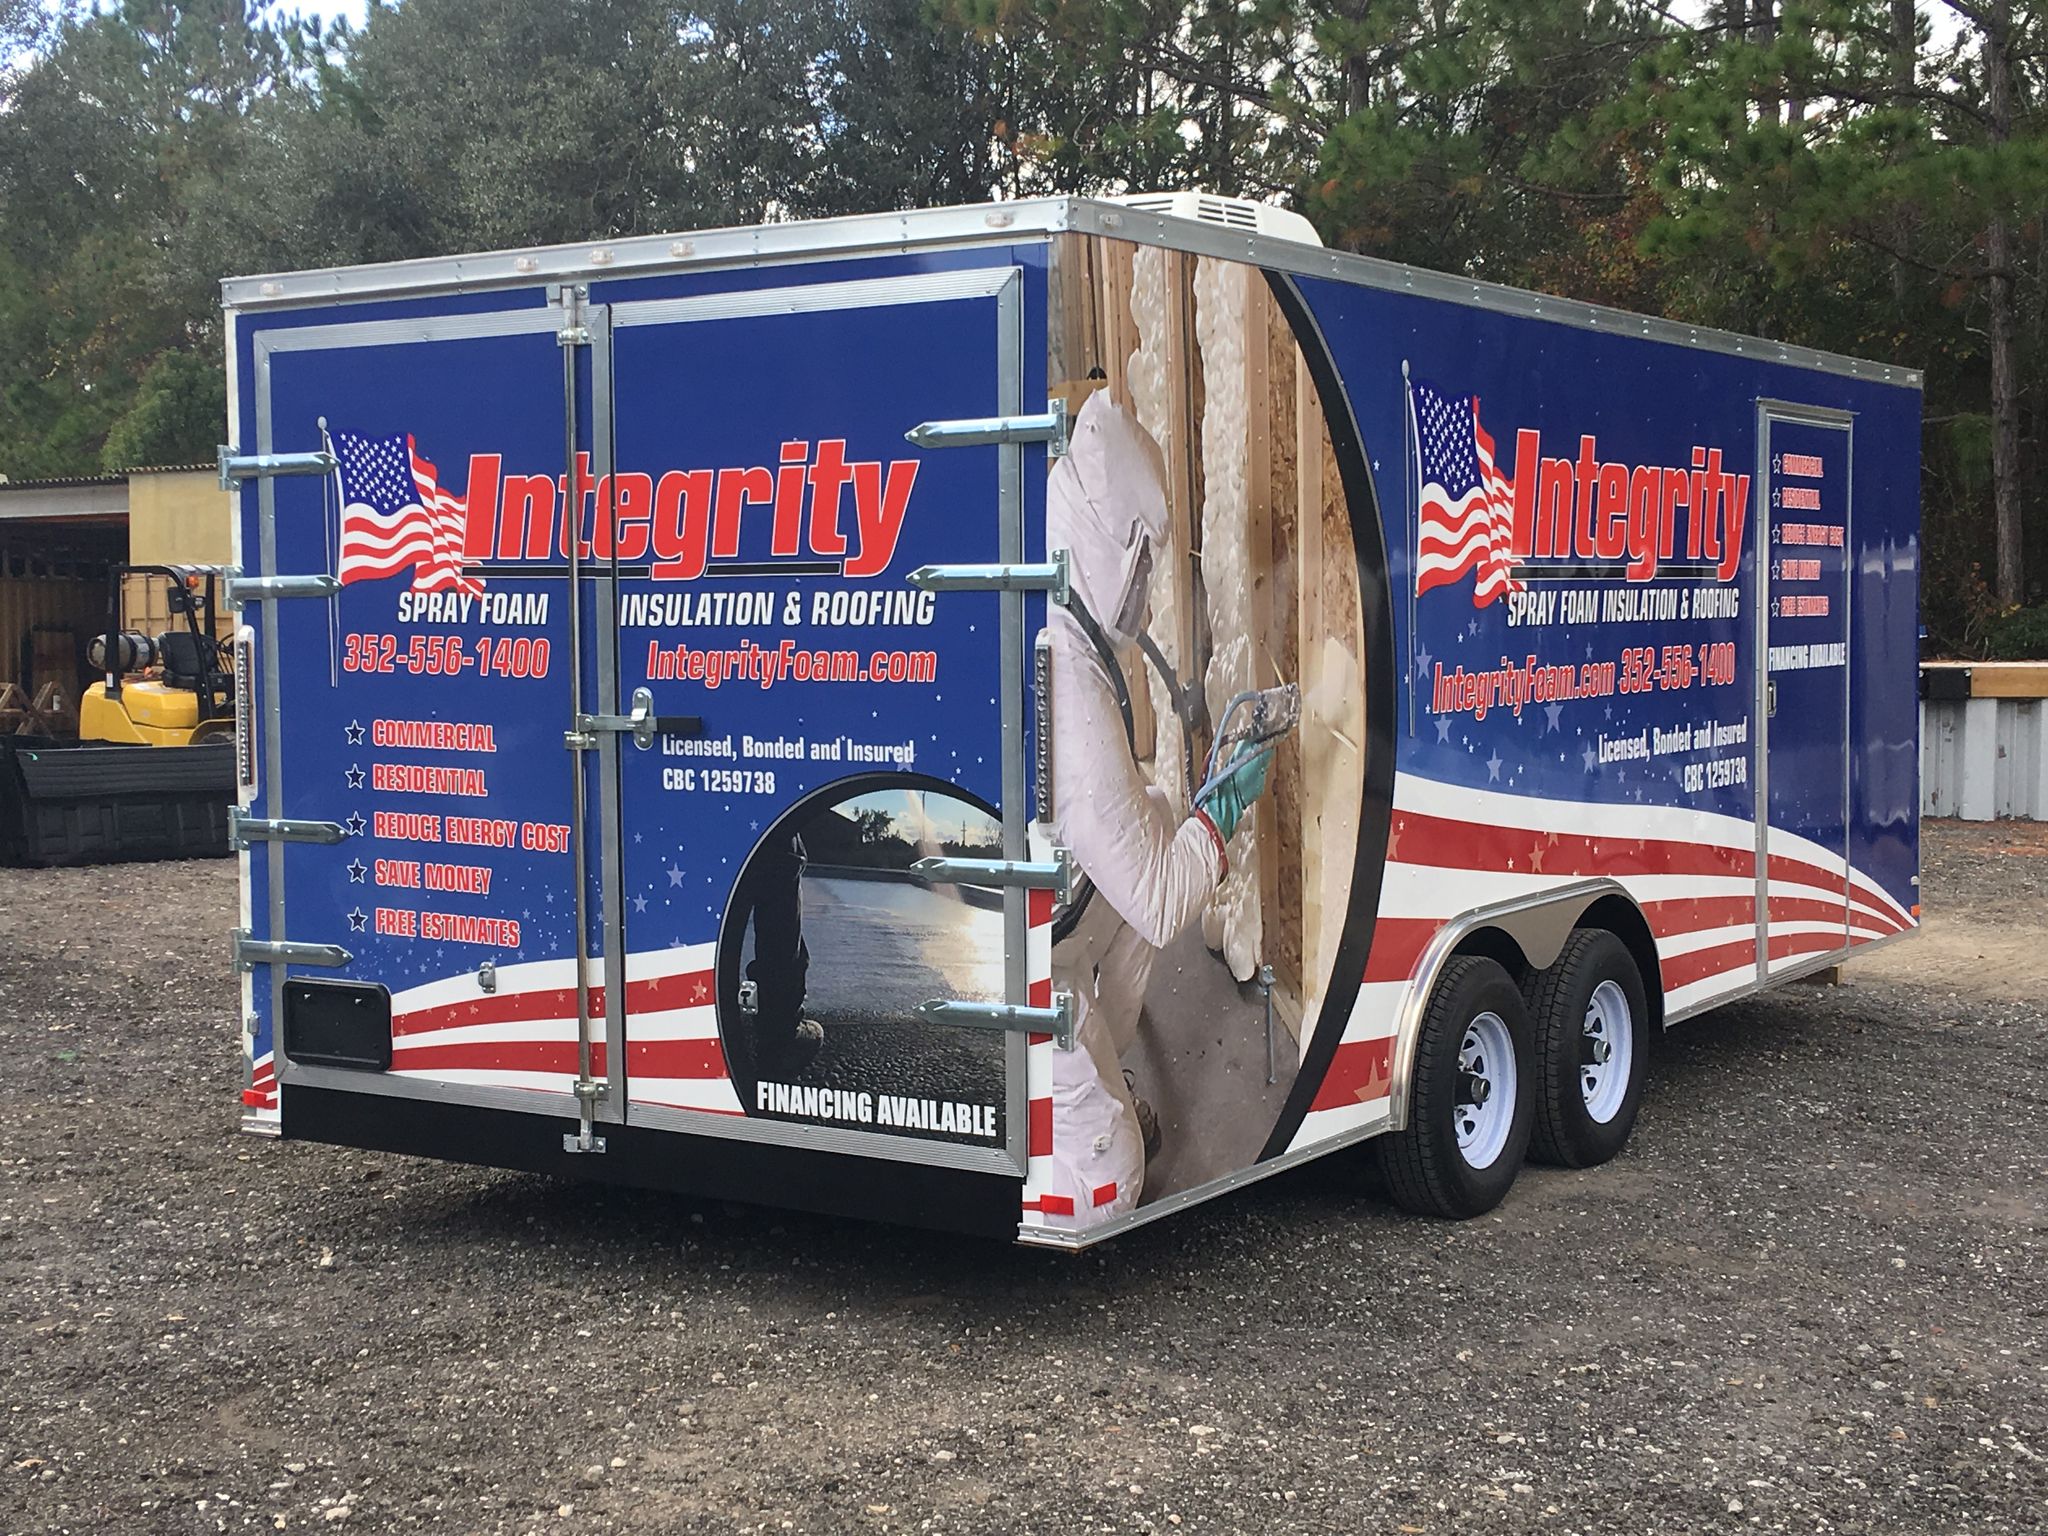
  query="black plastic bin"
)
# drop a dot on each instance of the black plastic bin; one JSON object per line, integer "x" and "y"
{"x": 65, "y": 803}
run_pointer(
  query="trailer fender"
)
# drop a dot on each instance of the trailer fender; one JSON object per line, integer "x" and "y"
{"x": 1525, "y": 933}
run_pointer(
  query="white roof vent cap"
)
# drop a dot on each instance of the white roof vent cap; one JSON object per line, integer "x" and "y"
{"x": 1239, "y": 213}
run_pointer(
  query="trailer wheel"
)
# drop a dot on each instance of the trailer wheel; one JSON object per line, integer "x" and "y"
{"x": 1592, "y": 1045}
{"x": 1469, "y": 1096}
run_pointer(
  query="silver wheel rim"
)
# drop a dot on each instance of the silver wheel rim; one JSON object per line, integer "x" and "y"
{"x": 1607, "y": 1052}
{"x": 1485, "y": 1111}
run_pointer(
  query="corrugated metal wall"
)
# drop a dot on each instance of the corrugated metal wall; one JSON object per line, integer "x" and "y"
{"x": 1984, "y": 758}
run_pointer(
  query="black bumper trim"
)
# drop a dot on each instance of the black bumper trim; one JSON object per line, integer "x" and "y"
{"x": 715, "y": 1167}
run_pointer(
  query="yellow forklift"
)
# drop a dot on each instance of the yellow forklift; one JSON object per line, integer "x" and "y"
{"x": 152, "y": 773}
{"x": 182, "y": 689}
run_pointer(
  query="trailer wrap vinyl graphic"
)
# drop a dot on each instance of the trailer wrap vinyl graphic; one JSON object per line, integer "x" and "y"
{"x": 1384, "y": 609}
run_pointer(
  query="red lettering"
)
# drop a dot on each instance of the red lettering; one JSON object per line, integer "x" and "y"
{"x": 631, "y": 506}
{"x": 1610, "y": 524}
{"x": 529, "y": 514}
{"x": 1677, "y": 493}
{"x": 789, "y": 500}
{"x": 1528, "y": 445}
{"x": 737, "y": 488}
{"x": 682, "y": 519}
{"x": 1717, "y": 485}
{"x": 828, "y": 483}
{"x": 1554, "y": 511}
{"x": 1588, "y": 475}
{"x": 1734, "y": 513}
{"x": 880, "y": 512}
{"x": 480, "y": 506}
{"x": 1645, "y": 510}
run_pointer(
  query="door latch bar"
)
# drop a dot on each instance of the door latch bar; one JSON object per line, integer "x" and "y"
{"x": 1057, "y": 1021}
{"x": 237, "y": 467}
{"x": 244, "y": 830}
{"x": 1049, "y": 578}
{"x": 253, "y": 952}
{"x": 643, "y": 725}
{"x": 1048, "y": 427}
{"x": 1053, "y": 875}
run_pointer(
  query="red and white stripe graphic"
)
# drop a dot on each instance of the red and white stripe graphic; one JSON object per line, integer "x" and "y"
{"x": 524, "y": 1034}
{"x": 261, "y": 1094}
{"x": 1039, "y": 1199}
{"x": 1693, "y": 874}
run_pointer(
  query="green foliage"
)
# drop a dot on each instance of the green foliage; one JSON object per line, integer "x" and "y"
{"x": 2021, "y": 635}
{"x": 179, "y": 415}
{"x": 1823, "y": 171}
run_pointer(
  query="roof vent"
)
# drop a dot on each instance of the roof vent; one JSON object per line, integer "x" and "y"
{"x": 1238, "y": 213}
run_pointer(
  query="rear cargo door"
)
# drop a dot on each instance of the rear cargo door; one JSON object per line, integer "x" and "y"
{"x": 422, "y": 709}
{"x": 1803, "y": 840}
{"x": 819, "y": 722}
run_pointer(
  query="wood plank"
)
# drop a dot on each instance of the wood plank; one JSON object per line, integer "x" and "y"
{"x": 1183, "y": 469}
{"x": 1269, "y": 491}
{"x": 1999, "y": 679}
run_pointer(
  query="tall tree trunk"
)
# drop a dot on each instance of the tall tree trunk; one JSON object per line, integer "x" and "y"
{"x": 2005, "y": 382}
{"x": 1764, "y": 25}
{"x": 1905, "y": 51}
{"x": 1358, "y": 81}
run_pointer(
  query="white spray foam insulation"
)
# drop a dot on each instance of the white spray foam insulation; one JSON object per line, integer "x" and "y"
{"x": 1152, "y": 312}
{"x": 1221, "y": 303}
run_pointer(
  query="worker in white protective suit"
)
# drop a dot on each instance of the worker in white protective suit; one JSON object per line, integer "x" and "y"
{"x": 1149, "y": 866}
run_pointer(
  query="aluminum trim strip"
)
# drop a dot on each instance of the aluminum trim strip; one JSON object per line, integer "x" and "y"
{"x": 385, "y": 333}
{"x": 813, "y": 298}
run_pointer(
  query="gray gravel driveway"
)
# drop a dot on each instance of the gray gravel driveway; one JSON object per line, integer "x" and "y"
{"x": 1811, "y": 1296}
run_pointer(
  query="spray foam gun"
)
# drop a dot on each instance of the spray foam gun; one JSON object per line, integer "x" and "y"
{"x": 1270, "y": 713}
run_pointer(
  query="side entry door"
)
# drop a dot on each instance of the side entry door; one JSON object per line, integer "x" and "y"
{"x": 1805, "y": 457}
{"x": 817, "y": 722}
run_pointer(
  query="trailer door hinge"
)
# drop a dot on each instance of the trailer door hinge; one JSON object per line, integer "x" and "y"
{"x": 1054, "y": 875}
{"x": 253, "y": 952}
{"x": 243, "y": 830}
{"x": 1049, "y": 578}
{"x": 1057, "y": 1021}
{"x": 237, "y": 467}
{"x": 243, "y": 590}
{"x": 1048, "y": 427}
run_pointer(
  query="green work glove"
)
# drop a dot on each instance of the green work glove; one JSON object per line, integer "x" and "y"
{"x": 1236, "y": 788}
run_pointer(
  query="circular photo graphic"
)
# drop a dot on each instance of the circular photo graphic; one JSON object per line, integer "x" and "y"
{"x": 833, "y": 940}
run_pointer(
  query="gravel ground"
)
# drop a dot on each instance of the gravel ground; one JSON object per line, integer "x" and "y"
{"x": 1811, "y": 1296}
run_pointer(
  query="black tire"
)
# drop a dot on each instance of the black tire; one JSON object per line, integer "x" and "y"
{"x": 1565, "y": 1131}
{"x": 1425, "y": 1170}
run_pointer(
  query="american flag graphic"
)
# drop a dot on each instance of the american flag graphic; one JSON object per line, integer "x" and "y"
{"x": 1466, "y": 509}
{"x": 395, "y": 514}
